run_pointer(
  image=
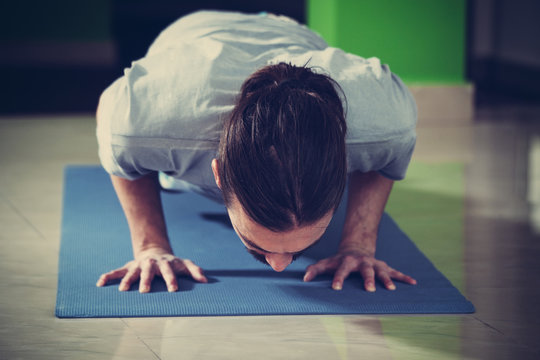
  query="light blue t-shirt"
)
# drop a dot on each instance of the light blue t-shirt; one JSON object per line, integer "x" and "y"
{"x": 166, "y": 113}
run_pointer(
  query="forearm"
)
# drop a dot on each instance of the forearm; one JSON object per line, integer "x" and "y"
{"x": 367, "y": 197}
{"x": 141, "y": 202}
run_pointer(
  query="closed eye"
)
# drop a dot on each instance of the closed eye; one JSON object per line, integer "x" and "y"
{"x": 258, "y": 256}
{"x": 262, "y": 258}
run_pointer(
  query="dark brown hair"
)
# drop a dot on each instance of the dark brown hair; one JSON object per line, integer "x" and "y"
{"x": 282, "y": 150}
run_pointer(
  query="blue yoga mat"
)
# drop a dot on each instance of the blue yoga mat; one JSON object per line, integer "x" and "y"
{"x": 95, "y": 239}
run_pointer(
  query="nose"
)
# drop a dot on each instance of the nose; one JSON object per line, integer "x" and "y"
{"x": 278, "y": 262}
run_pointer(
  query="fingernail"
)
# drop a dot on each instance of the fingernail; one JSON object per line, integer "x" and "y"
{"x": 172, "y": 289}
{"x": 337, "y": 286}
{"x": 392, "y": 287}
{"x": 371, "y": 288}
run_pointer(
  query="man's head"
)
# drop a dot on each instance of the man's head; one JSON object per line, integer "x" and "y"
{"x": 281, "y": 164}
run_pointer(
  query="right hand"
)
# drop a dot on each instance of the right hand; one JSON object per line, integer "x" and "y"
{"x": 147, "y": 265}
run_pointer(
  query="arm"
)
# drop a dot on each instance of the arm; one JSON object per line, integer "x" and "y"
{"x": 141, "y": 203}
{"x": 368, "y": 194}
{"x": 153, "y": 255}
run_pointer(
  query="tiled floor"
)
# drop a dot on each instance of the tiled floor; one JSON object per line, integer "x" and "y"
{"x": 500, "y": 261}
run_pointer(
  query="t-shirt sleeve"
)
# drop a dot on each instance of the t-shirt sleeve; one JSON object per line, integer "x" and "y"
{"x": 124, "y": 156}
{"x": 160, "y": 117}
{"x": 381, "y": 121}
{"x": 110, "y": 101}
{"x": 402, "y": 152}
{"x": 401, "y": 145}
{"x": 389, "y": 158}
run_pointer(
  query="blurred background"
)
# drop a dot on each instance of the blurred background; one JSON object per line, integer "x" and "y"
{"x": 57, "y": 56}
{"x": 470, "y": 202}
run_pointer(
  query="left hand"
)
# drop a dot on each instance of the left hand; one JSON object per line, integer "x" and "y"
{"x": 345, "y": 262}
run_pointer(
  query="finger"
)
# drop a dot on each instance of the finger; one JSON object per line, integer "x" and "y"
{"x": 131, "y": 276}
{"x": 348, "y": 265}
{"x": 148, "y": 271}
{"x": 318, "y": 268}
{"x": 368, "y": 274}
{"x": 310, "y": 273}
{"x": 394, "y": 274}
{"x": 384, "y": 277}
{"x": 195, "y": 271}
{"x": 111, "y": 275}
{"x": 168, "y": 275}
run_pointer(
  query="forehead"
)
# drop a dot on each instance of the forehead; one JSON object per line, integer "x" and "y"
{"x": 259, "y": 237}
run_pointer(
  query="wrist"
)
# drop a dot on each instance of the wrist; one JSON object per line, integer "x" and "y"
{"x": 356, "y": 251}
{"x": 364, "y": 246}
{"x": 157, "y": 250}
{"x": 155, "y": 245}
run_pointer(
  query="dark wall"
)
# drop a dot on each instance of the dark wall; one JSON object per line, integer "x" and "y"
{"x": 135, "y": 24}
{"x": 59, "y": 55}
{"x": 504, "y": 50}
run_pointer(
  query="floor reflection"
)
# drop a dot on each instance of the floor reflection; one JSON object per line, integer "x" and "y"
{"x": 502, "y": 245}
{"x": 483, "y": 235}
{"x": 533, "y": 190}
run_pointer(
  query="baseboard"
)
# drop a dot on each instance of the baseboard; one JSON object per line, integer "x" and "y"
{"x": 440, "y": 105}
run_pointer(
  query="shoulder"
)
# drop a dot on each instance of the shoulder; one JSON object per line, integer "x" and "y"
{"x": 378, "y": 104}
{"x": 170, "y": 94}
{"x": 260, "y": 31}
{"x": 380, "y": 111}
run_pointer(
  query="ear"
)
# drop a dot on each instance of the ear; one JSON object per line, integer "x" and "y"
{"x": 216, "y": 172}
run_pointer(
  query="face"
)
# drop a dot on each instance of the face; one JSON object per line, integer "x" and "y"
{"x": 277, "y": 249}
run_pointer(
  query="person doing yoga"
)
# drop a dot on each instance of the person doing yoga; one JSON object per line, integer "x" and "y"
{"x": 257, "y": 112}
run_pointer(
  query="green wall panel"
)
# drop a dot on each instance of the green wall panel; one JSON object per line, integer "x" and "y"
{"x": 322, "y": 17}
{"x": 423, "y": 41}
